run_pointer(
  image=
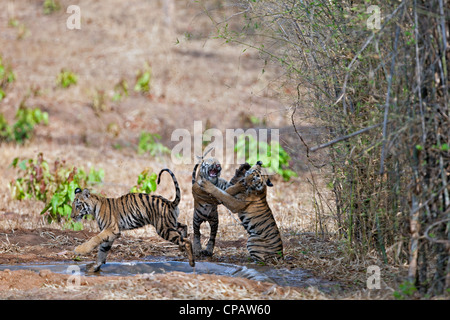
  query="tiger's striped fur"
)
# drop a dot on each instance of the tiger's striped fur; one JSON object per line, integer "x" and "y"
{"x": 205, "y": 207}
{"x": 127, "y": 212}
{"x": 247, "y": 198}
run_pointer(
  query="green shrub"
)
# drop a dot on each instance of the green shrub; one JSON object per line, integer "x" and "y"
{"x": 27, "y": 118}
{"x": 276, "y": 159}
{"x": 55, "y": 186}
{"x": 6, "y": 74}
{"x": 143, "y": 80}
{"x": 66, "y": 78}
{"x": 51, "y": 6}
{"x": 146, "y": 182}
{"x": 5, "y": 129}
{"x": 7, "y": 77}
{"x": 148, "y": 143}
{"x": 23, "y": 128}
{"x": 120, "y": 90}
{"x": 406, "y": 290}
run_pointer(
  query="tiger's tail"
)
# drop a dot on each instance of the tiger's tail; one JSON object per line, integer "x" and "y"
{"x": 177, "y": 199}
{"x": 194, "y": 173}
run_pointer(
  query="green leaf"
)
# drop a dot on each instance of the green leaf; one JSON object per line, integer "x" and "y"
{"x": 116, "y": 97}
{"x": 71, "y": 190}
{"x": 45, "y": 118}
{"x": 152, "y": 185}
{"x": 14, "y": 162}
{"x": 95, "y": 176}
{"x": 46, "y": 208}
{"x": 55, "y": 202}
{"x": 23, "y": 164}
{"x": 67, "y": 210}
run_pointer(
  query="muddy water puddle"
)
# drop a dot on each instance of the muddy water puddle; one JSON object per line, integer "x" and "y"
{"x": 282, "y": 277}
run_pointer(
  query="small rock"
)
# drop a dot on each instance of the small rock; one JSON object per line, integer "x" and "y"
{"x": 44, "y": 273}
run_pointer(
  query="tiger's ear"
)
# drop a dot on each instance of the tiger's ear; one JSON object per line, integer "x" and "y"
{"x": 86, "y": 193}
{"x": 269, "y": 183}
{"x": 77, "y": 190}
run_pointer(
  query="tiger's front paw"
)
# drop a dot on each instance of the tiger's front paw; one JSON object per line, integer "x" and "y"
{"x": 82, "y": 249}
{"x": 207, "y": 186}
{"x": 240, "y": 172}
{"x": 207, "y": 253}
{"x": 92, "y": 267}
{"x": 196, "y": 247}
{"x": 241, "y": 185}
{"x": 190, "y": 252}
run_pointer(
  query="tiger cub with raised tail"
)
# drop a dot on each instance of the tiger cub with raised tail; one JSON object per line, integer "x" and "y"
{"x": 205, "y": 206}
{"x": 130, "y": 211}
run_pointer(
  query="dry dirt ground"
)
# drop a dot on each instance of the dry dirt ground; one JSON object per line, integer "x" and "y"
{"x": 194, "y": 78}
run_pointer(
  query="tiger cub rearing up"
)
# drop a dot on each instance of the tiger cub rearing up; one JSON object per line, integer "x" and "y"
{"x": 127, "y": 212}
{"x": 247, "y": 198}
{"x": 205, "y": 206}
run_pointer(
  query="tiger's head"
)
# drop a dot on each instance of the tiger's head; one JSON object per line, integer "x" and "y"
{"x": 256, "y": 180}
{"x": 210, "y": 170}
{"x": 83, "y": 204}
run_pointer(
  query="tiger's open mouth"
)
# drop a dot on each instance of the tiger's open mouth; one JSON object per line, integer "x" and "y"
{"x": 214, "y": 172}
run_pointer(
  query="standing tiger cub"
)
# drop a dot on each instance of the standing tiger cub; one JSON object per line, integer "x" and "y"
{"x": 127, "y": 212}
{"x": 205, "y": 206}
{"x": 247, "y": 198}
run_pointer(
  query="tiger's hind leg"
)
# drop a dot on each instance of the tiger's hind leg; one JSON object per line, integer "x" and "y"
{"x": 214, "y": 225}
{"x": 197, "y": 246}
{"x": 182, "y": 228}
{"x": 175, "y": 237}
{"x": 262, "y": 250}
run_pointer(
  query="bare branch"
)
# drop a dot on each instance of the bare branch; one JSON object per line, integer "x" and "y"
{"x": 330, "y": 143}
{"x": 432, "y": 239}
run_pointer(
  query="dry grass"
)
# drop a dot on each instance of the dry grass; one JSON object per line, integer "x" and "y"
{"x": 8, "y": 247}
{"x": 174, "y": 285}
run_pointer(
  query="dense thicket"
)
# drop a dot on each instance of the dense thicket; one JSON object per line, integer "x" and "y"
{"x": 376, "y": 76}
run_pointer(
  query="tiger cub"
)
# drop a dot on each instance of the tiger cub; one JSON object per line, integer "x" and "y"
{"x": 205, "y": 207}
{"x": 247, "y": 198}
{"x": 127, "y": 212}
